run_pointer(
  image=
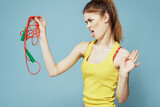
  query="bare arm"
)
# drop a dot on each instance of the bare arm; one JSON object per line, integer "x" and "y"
{"x": 123, "y": 89}
{"x": 65, "y": 64}
{"x": 52, "y": 68}
{"x": 71, "y": 59}
{"x": 127, "y": 64}
{"x": 48, "y": 59}
{"x": 122, "y": 92}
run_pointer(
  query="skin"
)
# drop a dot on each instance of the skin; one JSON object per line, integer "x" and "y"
{"x": 124, "y": 61}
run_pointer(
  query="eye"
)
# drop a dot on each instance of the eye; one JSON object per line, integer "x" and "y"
{"x": 90, "y": 20}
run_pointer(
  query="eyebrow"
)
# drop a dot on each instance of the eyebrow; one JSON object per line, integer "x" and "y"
{"x": 87, "y": 19}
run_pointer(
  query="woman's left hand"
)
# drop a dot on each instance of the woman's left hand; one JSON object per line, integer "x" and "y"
{"x": 129, "y": 63}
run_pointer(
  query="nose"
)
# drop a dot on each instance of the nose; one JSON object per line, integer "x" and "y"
{"x": 88, "y": 25}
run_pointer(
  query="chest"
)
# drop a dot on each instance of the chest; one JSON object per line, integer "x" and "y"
{"x": 97, "y": 56}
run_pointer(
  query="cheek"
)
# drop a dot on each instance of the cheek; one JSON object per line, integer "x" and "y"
{"x": 100, "y": 27}
{"x": 96, "y": 26}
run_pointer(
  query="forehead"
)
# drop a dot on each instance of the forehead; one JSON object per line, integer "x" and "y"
{"x": 90, "y": 15}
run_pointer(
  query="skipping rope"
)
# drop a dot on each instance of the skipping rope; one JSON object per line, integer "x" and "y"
{"x": 28, "y": 33}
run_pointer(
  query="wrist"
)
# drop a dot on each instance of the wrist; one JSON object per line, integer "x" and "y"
{"x": 43, "y": 38}
{"x": 124, "y": 74}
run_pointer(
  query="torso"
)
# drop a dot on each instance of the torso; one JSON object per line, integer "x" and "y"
{"x": 99, "y": 55}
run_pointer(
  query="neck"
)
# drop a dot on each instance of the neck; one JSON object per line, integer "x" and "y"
{"x": 107, "y": 41}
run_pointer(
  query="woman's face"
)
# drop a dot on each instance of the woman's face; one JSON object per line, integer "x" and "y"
{"x": 96, "y": 24}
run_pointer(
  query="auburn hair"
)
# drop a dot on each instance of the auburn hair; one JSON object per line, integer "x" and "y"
{"x": 103, "y": 6}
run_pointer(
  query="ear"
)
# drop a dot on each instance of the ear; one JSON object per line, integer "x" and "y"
{"x": 106, "y": 17}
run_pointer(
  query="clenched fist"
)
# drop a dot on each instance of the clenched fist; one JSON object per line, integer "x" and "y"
{"x": 42, "y": 26}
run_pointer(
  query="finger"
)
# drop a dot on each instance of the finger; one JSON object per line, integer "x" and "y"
{"x": 131, "y": 54}
{"x": 136, "y": 58}
{"x": 137, "y": 64}
{"x": 42, "y": 18}
{"x": 38, "y": 21}
{"x": 34, "y": 22}
{"x": 39, "y": 17}
{"x": 134, "y": 55}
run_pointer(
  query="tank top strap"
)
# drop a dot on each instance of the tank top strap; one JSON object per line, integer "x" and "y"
{"x": 89, "y": 48}
{"x": 114, "y": 49}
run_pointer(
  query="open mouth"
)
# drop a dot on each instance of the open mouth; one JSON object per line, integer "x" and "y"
{"x": 92, "y": 31}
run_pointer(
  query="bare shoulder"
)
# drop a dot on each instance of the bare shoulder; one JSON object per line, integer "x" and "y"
{"x": 123, "y": 53}
{"x": 82, "y": 46}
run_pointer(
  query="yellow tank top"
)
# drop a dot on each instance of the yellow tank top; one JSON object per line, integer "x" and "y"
{"x": 100, "y": 80}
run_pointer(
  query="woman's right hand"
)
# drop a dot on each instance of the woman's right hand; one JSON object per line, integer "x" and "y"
{"x": 42, "y": 26}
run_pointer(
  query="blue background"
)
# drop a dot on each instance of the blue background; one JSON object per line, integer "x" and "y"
{"x": 65, "y": 29}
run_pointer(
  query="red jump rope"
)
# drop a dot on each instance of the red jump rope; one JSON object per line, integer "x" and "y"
{"x": 28, "y": 33}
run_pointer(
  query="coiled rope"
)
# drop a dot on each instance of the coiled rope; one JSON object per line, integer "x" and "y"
{"x": 28, "y": 33}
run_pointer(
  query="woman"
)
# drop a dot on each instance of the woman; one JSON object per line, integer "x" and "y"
{"x": 105, "y": 61}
